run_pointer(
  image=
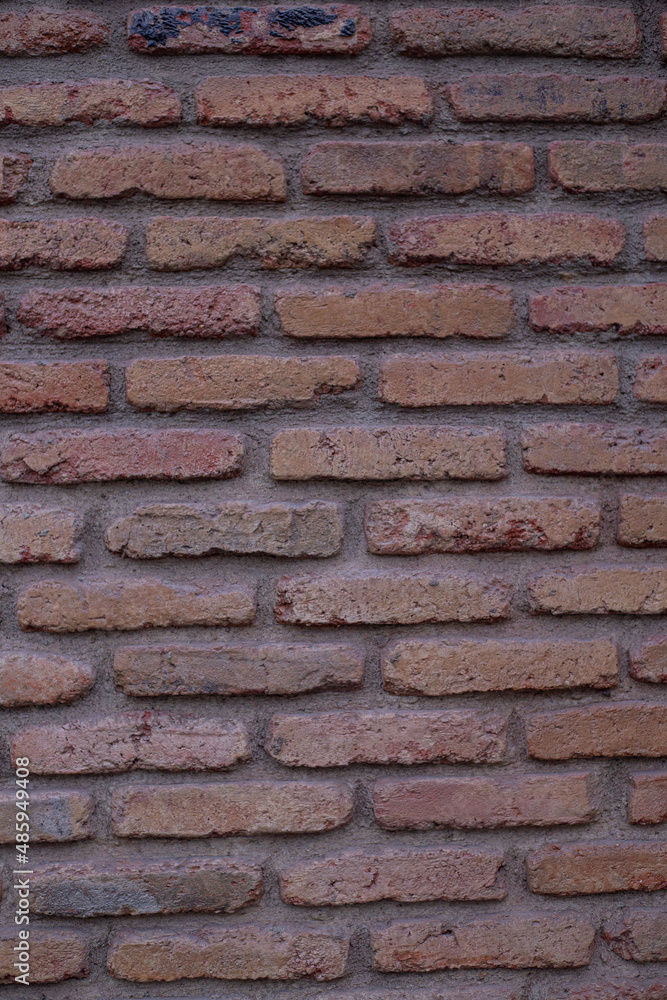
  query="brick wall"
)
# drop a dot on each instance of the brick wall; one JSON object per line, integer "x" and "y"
{"x": 333, "y": 496}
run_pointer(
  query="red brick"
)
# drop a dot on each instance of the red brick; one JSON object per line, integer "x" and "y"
{"x": 44, "y": 32}
{"x": 404, "y": 876}
{"x": 329, "y": 29}
{"x": 42, "y": 679}
{"x": 551, "y": 97}
{"x": 647, "y": 797}
{"x": 62, "y": 244}
{"x": 439, "y": 311}
{"x": 626, "y": 729}
{"x": 590, "y": 32}
{"x": 417, "y": 168}
{"x": 110, "y": 603}
{"x": 575, "y": 869}
{"x": 624, "y": 590}
{"x": 438, "y": 667}
{"x": 336, "y": 739}
{"x": 594, "y": 989}
{"x": 185, "y": 170}
{"x": 65, "y": 386}
{"x": 231, "y": 809}
{"x": 55, "y": 955}
{"x": 404, "y": 452}
{"x": 302, "y": 100}
{"x": 640, "y": 309}
{"x": 480, "y": 803}
{"x": 608, "y": 166}
{"x": 32, "y": 534}
{"x": 639, "y": 935}
{"x": 236, "y": 381}
{"x": 513, "y": 941}
{"x": 500, "y": 239}
{"x": 642, "y": 521}
{"x": 146, "y": 741}
{"x": 655, "y": 238}
{"x": 126, "y": 102}
{"x": 651, "y": 380}
{"x": 201, "y": 311}
{"x": 474, "y": 378}
{"x": 73, "y": 456}
{"x": 54, "y": 816}
{"x": 594, "y": 449}
{"x": 649, "y": 662}
{"x": 14, "y": 169}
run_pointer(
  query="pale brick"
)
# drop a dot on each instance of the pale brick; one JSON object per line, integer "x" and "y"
{"x": 642, "y": 521}
{"x": 62, "y": 244}
{"x": 55, "y": 955}
{"x": 626, "y": 729}
{"x": 54, "y": 816}
{"x": 575, "y": 869}
{"x": 33, "y": 534}
{"x": 64, "y": 386}
{"x": 608, "y": 166}
{"x": 639, "y": 935}
{"x": 648, "y": 662}
{"x": 647, "y": 797}
{"x": 655, "y": 238}
{"x": 14, "y": 169}
{"x": 624, "y": 590}
{"x": 32, "y": 678}
{"x": 594, "y": 449}
{"x": 44, "y": 32}
{"x": 126, "y": 102}
{"x": 651, "y": 380}
{"x": 639, "y": 309}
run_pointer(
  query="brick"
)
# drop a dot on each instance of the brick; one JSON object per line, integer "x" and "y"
{"x": 42, "y": 679}
{"x": 336, "y": 739}
{"x": 236, "y": 381}
{"x": 513, "y": 941}
{"x": 651, "y": 380}
{"x": 639, "y": 935}
{"x": 569, "y": 30}
{"x": 278, "y": 529}
{"x": 14, "y": 169}
{"x": 437, "y": 667}
{"x": 575, "y": 869}
{"x": 417, "y": 168}
{"x": 55, "y": 817}
{"x": 231, "y": 809}
{"x": 391, "y": 599}
{"x": 201, "y": 311}
{"x": 55, "y": 955}
{"x": 551, "y": 97}
{"x": 655, "y": 238}
{"x": 646, "y": 989}
{"x": 186, "y": 244}
{"x": 131, "y": 603}
{"x": 237, "y": 669}
{"x": 183, "y": 170}
{"x": 649, "y": 661}
{"x": 663, "y": 34}
{"x": 247, "y": 952}
{"x": 43, "y": 32}
{"x": 73, "y": 456}
{"x": 626, "y": 729}
{"x": 608, "y": 166}
{"x": 494, "y": 239}
{"x": 65, "y": 386}
{"x": 480, "y": 803}
{"x": 476, "y": 378}
{"x": 621, "y": 590}
{"x": 62, "y": 244}
{"x": 647, "y": 797}
{"x": 129, "y": 741}
{"x": 594, "y": 449}
{"x": 475, "y": 991}
{"x": 124, "y": 888}
{"x": 33, "y": 534}
{"x": 125, "y": 102}
{"x": 378, "y": 453}
{"x": 484, "y": 311}
{"x": 642, "y": 521}
{"x": 404, "y": 876}
{"x": 329, "y": 29}
{"x": 639, "y": 309}
{"x": 302, "y": 100}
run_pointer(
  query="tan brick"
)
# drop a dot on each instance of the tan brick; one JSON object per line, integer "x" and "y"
{"x": 44, "y": 32}
{"x": 639, "y": 309}
{"x": 575, "y": 869}
{"x": 647, "y": 797}
{"x": 69, "y": 386}
{"x": 55, "y": 955}
{"x": 126, "y": 102}
{"x": 622, "y": 590}
{"x": 132, "y": 740}
{"x": 62, "y": 244}
{"x": 651, "y": 380}
{"x": 336, "y": 739}
{"x": 648, "y": 662}
{"x": 642, "y": 521}
{"x": 594, "y": 449}
{"x": 626, "y": 729}
{"x": 638, "y": 935}
{"x": 54, "y": 817}
{"x": 231, "y": 809}
{"x": 608, "y": 166}
{"x": 33, "y": 534}
{"x": 14, "y": 169}
{"x": 407, "y": 452}
{"x": 438, "y": 667}
{"x": 483, "y": 311}
{"x": 42, "y": 679}
{"x": 655, "y": 238}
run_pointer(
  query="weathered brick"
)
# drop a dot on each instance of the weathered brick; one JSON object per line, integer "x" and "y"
{"x": 332, "y": 28}
{"x": 301, "y": 100}
{"x": 512, "y": 941}
{"x": 474, "y": 378}
{"x": 69, "y": 386}
{"x": 574, "y": 869}
{"x": 186, "y": 244}
{"x": 14, "y": 169}
{"x": 208, "y": 311}
{"x": 647, "y": 797}
{"x": 126, "y": 102}
{"x": 391, "y": 599}
{"x": 594, "y": 449}
{"x": 73, "y": 456}
{"x": 235, "y": 381}
{"x": 42, "y": 679}
{"x": 247, "y": 952}
{"x": 62, "y": 244}
{"x": 480, "y": 803}
{"x": 663, "y": 34}
{"x": 649, "y": 662}
{"x": 568, "y": 30}
{"x": 55, "y": 955}
{"x": 651, "y": 380}
{"x": 642, "y": 521}
{"x": 124, "y": 888}
{"x": 131, "y": 603}
{"x": 474, "y": 991}
{"x": 231, "y": 809}
{"x": 239, "y": 669}
{"x": 608, "y": 166}
{"x": 639, "y": 935}
{"x": 438, "y": 667}
{"x": 44, "y": 32}
{"x": 626, "y": 729}
{"x": 655, "y": 238}
{"x": 623, "y": 590}
{"x": 54, "y": 816}
{"x": 483, "y": 311}
{"x": 640, "y": 309}
{"x": 185, "y": 170}
{"x": 596, "y": 989}
{"x": 407, "y": 452}
{"x": 417, "y": 168}
{"x": 551, "y": 97}
{"x": 132, "y": 740}
{"x": 278, "y": 529}
{"x": 336, "y": 739}
{"x": 32, "y": 534}
{"x": 405, "y": 876}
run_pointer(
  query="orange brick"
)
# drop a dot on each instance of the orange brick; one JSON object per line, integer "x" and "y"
{"x": 642, "y": 521}
{"x": 639, "y": 309}
{"x": 44, "y": 32}
{"x": 651, "y": 380}
{"x": 608, "y": 166}
{"x": 594, "y": 449}
{"x": 69, "y": 386}
{"x": 42, "y": 679}
{"x": 55, "y": 955}
{"x": 613, "y": 590}
{"x": 655, "y": 238}
{"x": 126, "y": 102}
{"x": 32, "y": 534}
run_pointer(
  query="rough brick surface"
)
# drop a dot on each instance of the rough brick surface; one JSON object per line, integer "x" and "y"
{"x": 614, "y": 590}
{"x": 33, "y": 534}
{"x": 647, "y": 797}
{"x": 648, "y": 662}
{"x": 655, "y": 238}
{"x": 627, "y": 729}
{"x": 126, "y": 102}
{"x": 42, "y": 679}
{"x": 573, "y": 869}
{"x": 73, "y": 387}
{"x": 54, "y": 816}
{"x": 608, "y": 166}
{"x": 13, "y": 175}
{"x": 62, "y": 244}
{"x": 55, "y": 955}
{"x": 594, "y": 449}
{"x": 642, "y": 521}
{"x": 640, "y": 936}
{"x": 44, "y": 32}
{"x": 637, "y": 309}
{"x": 651, "y": 380}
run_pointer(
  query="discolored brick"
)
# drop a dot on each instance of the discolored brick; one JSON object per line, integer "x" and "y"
{"x": 62, "y": 244}
{"x": 125, "y": 102}
{"x": 639, "y": 935}
{"x": 647, "y": 797}
{"x": 608, "y": 166}
{"x": 574, "y": 869}
{"x": 639, "y": 309}
{"x": 33, "y": 678}
{"x": 69, "y": 386}
{"x": 655, "y": 238}
{"x": 648, "y": 662}
{"x": 55, "y": 816}
{"x": 44, "y": 32}
{"x": 33, "y": 534}
{"x": 14, "y": 168}
{"x": 651, "y": 380}
{"x": 55, "y": 955}
{"x": 594, "y": 449}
